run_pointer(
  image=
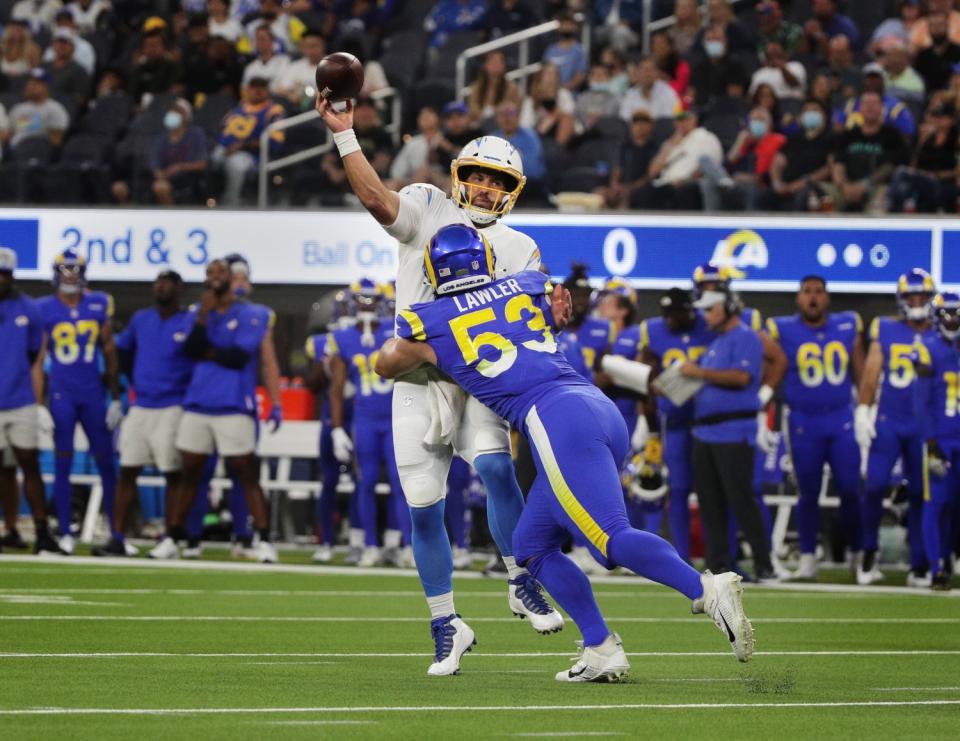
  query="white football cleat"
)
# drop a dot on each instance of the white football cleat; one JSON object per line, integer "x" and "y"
{"x": 266, "y": 552}
{"x": 919, "y": 581}
{"x": 525, "y": 597}
{"x": 407, "y": 560}
{"x": 582, "y": 557}
{"x": 323, "y": 554}
{"x": 192, "y": 552}
{"x": 369, "y": 557}
{"x": 452, "y": 638}
{"x": 68, "y": 544}
{"x": 166, "y": 549}
{"x": 462, "y": 558}
{"x": 781, "y": 571}
{"x": 604, "y": 663}
{"x": 808, "y": 568}
{"x": 866, "y": 578}
{"x": 131, "y": 550}
{"x": 722, "y": 601}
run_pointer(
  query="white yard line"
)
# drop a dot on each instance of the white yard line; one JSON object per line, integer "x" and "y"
{"x": 418, "y": 619}
{"x": 118, "y": 565}
{"x": 395, "y": 655}
{"x": 475, "y": 708}
{"x": 916, "y": 689}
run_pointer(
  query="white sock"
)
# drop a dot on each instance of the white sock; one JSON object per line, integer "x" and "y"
{"x": 391, "y": 538}
{"x": 441, "y": 605}
{"x": 513, "y": 571}
{"x": 356, "y": 538}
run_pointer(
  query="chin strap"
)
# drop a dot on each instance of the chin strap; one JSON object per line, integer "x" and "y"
{"x": 367, "y": 320}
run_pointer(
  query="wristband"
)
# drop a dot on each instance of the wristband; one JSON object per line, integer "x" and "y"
{"x": 346, "y": 142}
{"x": 765, "y": 394}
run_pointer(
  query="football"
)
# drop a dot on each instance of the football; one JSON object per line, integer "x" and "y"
{"x": 339, "y": 76}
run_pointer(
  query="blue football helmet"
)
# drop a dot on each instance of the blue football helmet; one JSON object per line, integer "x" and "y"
{"x": 916, "y": 282}
{"x": 458, "y": 258}
{"x": 367, "y": 296}
{"x": 69, "y": 263}
{"x": 946, "y": 314}
{"x": 344, "y": 310}
{"x": 710, "y": 272}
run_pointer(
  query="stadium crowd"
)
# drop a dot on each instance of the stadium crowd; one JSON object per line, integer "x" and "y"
{"x": 778, "y": 106}
{"x": 192, "y": 375}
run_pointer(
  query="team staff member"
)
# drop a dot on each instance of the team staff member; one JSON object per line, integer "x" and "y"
{"x": 724, "y": 432}
{"x": 219, "y": 405}
{"x": 826, "y": 355}
{"x": 151, "y": 353}
{"x": 79, "y": 335}
{"x": 21, "y": 336}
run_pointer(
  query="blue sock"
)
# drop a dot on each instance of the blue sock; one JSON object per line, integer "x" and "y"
{"x": 326, "y": 507}
{"x": 932, "y": 512}
{"x": 504, "y": 498}
{"x": 63, "y": 490}
{"x": 808, "y": 520}
{"x": 871, "y": 512}
{"x": 431, "y": 549}
{"x": 918, "y": 556}
{"x": 650, "y": 556}
{"x": 850, "y": 520}
{"x": 571, "y": 589}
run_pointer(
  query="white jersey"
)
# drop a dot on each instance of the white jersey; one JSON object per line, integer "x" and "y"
{"x": 424, "y": 210}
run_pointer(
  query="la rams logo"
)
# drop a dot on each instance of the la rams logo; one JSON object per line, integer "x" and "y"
{"x": 740, "y": 250}
{"x": 22, "y": 320}
{"x": 179, "y": 336}
{"x": 232, "y": 324}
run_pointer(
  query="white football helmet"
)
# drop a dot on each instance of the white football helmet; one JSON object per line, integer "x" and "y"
{"x": 487, "y": 153}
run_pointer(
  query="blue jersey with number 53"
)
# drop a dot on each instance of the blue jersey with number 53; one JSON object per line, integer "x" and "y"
{"x": 900, "y": 344}
{"x": 73, "y": 342}
{"x": 819, "y": 372}
{"x": 496, "y": 342}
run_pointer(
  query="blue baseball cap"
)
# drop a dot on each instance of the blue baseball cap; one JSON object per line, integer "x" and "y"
{"x": 455, "y": 106}
{"x": 39, "y": 73}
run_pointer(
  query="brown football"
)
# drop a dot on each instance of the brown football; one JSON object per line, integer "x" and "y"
{"x": 339, "y": 76}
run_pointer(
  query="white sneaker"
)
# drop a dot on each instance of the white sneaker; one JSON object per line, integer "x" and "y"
{"x": 866, "y": 578}
{"x": 239, "y": 549}
{"x": 919, "y": 581}
{"x": 390, "y": 556}
{"x": 525, "y": 597}
{"x": 604, "y": 663}
{"x": 323, "y": 554}
{"x": 462, "y": 558}
{"x": 781, "y": 571}
{"x": 266, "y": 552}
{"x": 131, "y": 550}
{"x": 353, "y": 556}
{"x": 808, "y": 568}
{"x": 452, "y": 638}
{"x": 68, "y": 544}
{"x": 192, "y": 552}
{"x": 407, "y": 561}
{"x": 582, "y": 557}
{"x": 165, "y": 549}
{"x": 722, "y": 601}
{"x": 369, "y": 557}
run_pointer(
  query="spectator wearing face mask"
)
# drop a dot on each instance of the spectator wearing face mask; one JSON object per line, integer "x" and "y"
{"x": 599, "y": 100}
{"x": 549, "y": 107}
{"x": 719, "y": 74}
{"x": 802, "y": 164}
{"x": 749, "y": 160}
{"x": 568, "y": 54}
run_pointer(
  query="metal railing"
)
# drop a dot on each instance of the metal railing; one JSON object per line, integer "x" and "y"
{"x": 651, "y": 27}
{"x": 267, "y": 166}
{"x": 525, "y": 67}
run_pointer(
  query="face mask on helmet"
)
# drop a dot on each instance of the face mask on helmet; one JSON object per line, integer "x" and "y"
{"x": 490, "y": 154}
{"x": 644, "y": 476}
{"x": 367, "y": 298}
{"x": 915, "y": 283}
{"x": 946, "y": 313}
{"x": 69, "y": 272}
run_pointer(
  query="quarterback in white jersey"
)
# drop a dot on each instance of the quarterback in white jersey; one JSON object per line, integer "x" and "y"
{"x": 432, "y": 417}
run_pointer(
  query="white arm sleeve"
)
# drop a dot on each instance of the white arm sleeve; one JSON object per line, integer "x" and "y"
{"x": 627, "y": 374}
{"x": 414, "y": 203}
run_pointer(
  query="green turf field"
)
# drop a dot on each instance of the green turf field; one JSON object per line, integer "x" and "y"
{"x": 104, "y": 650}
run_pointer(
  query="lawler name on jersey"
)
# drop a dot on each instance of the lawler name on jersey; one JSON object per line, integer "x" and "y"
{"x": 73, "y": 342}
{"x": 899, "y": 342}
{"x": 424, "y": 210}
{"x": 819, "y": 369}
{"x": 497, "y": 344}
{"x": 373, "y": 394}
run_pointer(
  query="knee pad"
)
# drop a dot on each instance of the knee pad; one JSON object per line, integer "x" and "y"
{"x": 494, "y": 467}
{"x": 421, "y": 489}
